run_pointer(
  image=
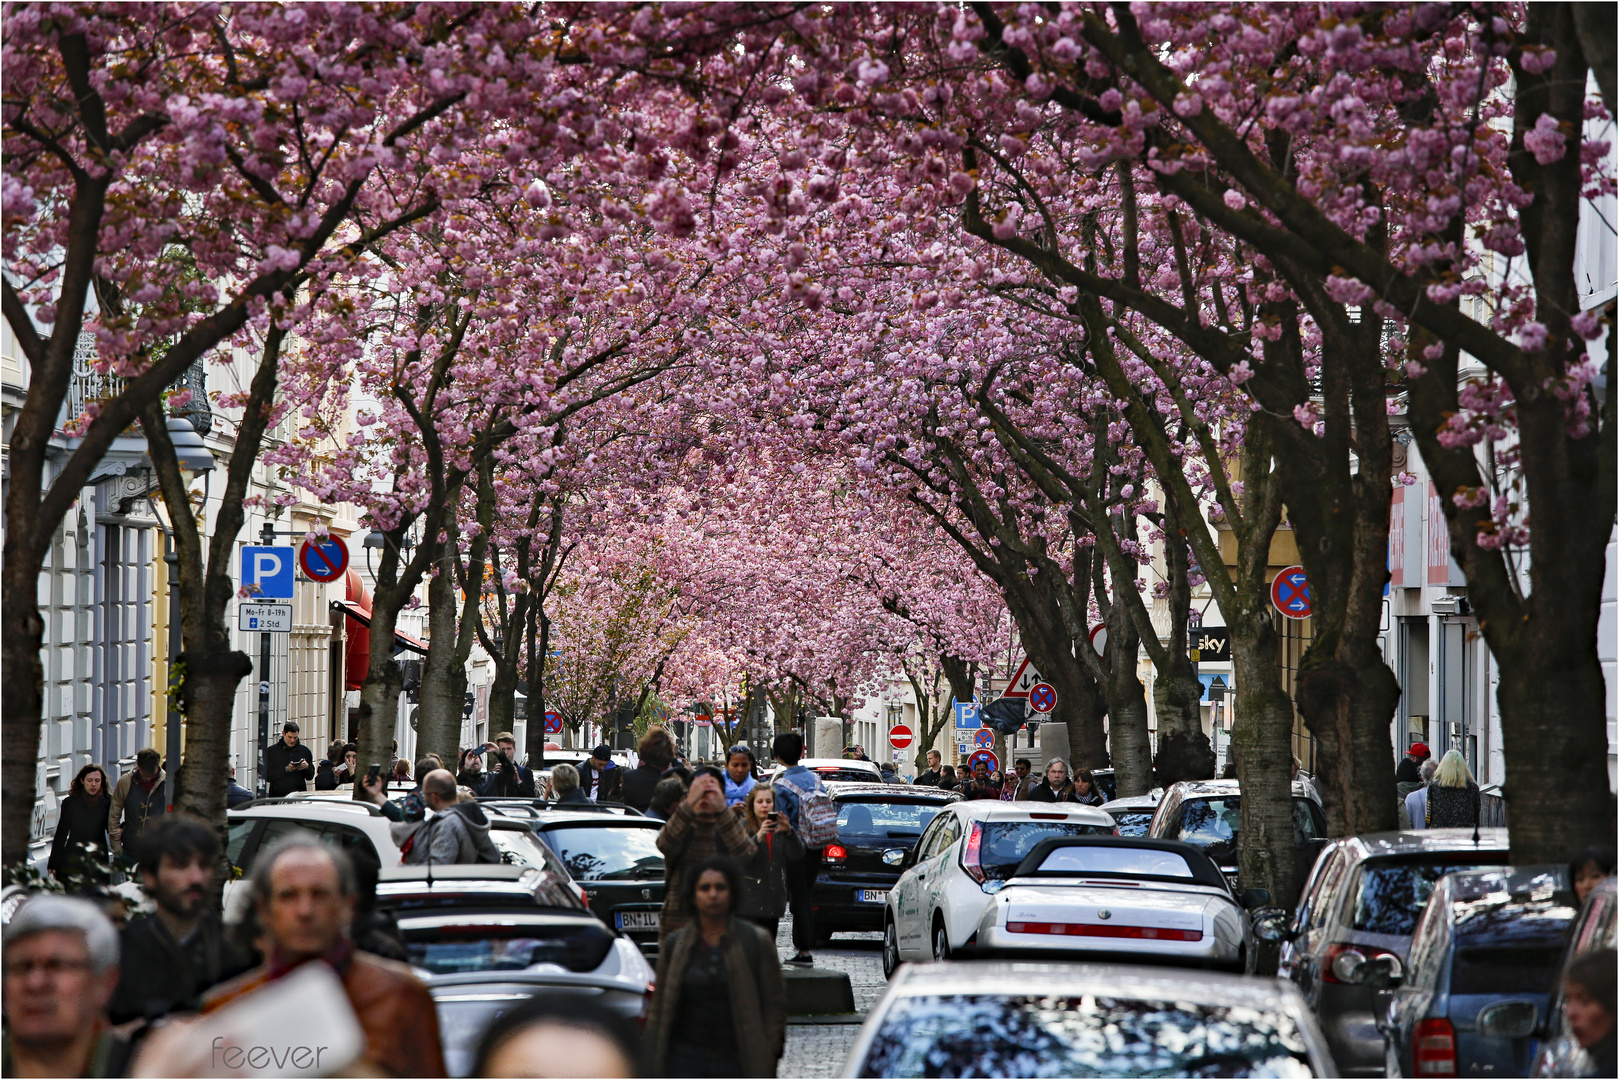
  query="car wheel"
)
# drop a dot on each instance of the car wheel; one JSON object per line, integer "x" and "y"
{"x": 890, "y": 948}
{"x": 941, "y": 941}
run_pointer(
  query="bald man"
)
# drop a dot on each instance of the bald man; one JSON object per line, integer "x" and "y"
{"x": 456, "y": 829}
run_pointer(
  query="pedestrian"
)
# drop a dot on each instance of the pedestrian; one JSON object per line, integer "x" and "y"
{"x": 802, "y": 799}
{"x": 565, "y": 786}
{"x": 402, "y": 774}
{"x": 507, "y": 779}
{"x": 600, "y": 777}
{"x": 61, "y": 967}
{"x": 137, "y": 798}
{"x": 235, "y": 794}
{"x": 699, "y": 828}
{"x": 1453, "y": 797}
{"x": 656, "y": 751}
{"x": 947, "y": 778}
{"x": 1054, "y": 786}
{"x": 555, "y": 1037}
{"x": 349, "y": 770}
{"x": 175, "y": 954}
{"x": 456, "y": 832}
{"x": 776, "y": 847}
{"x": 670, "y": 790}
{"x": 1589, "y": 869}
{"x": 979, "y": 785}
{"x": 1085, "y": 789}
{"x": 471, "y": 774}
{"x": 886, "y": 769}
{"x": 1588, "y": 1002}
{"x": 288, "y": 764}
{"x": 80, "y": 849}
{"x": 1415, "y": 806}
{"x": 930, "y": 777}
{"x": 1018, "y": 784}
{"x": 326, "y": 769}
{"x": 1409, "y": 769}
{"x": 739, "y": 781}
{"x": 721, "y": 1006}
{"x": 304, "y": 895}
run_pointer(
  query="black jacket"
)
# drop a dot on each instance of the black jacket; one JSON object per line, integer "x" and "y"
{"x": 512, "y": 781}
{"x": 576, "y": 797}
{"x": 1042, "y": 792}
{"x": 325, "y": 775}
{"x": 638, "y": 784}
{"x": 612, "y": 782}
{"x": 276, "y": 759}
{"x": 929, "y": 778}
{"x": 158, "y": 975}
{"x": 1408, "y": 771}
{"x": 81, "y": 821}
{"x": 236, "y": 795}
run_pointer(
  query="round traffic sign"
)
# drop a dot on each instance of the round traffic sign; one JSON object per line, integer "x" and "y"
{"x": 899, "y": 736}
{"x": 983, "y": 738}
{"x": 704, "y": 720}
{"x": 1290, "y": 593}
{"x": 324, "y": 560}
{"x": 987, "y": 757}
{"x": 553, "y": 723}
{"x": 1099, "y": 638}
{"x": 1043, "y": 697}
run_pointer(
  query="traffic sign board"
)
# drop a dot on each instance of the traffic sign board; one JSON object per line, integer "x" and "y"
{"x": 1023, "y": 680}
{"x": 267, "y": 572}
{"x": 1043, "y": 697}
{"x": 899, "y": 736}
{"x": 987, "y": 757}
{"x": 704, "y": 720}
{"x": 1099, "y": 638}
{"x": 324, "y": 560}
{"x": 967, "y": 714}
{"x": 264, "y": 618}
{"x": 984, "y": 739}
{"x": 553, "y": 722}
{"x": 1290, "y": 592}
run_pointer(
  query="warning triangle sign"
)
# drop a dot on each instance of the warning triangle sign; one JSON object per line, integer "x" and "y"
{"x": 1023, "y": 680}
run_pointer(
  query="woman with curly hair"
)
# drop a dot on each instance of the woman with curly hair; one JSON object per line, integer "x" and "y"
{"x": 80, "y": 847}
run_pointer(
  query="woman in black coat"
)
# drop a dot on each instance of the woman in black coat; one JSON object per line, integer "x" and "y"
{"x": 80, "y": 826}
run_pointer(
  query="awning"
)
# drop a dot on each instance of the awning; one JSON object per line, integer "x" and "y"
{"x": 362, "y": 616}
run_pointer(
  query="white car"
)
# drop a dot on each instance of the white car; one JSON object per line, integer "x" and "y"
{"x": 836, "y": 769}
{"x": 1127, "y": 899}
{"x": 1133, "y": 815}
{"x": 961, "y": 861}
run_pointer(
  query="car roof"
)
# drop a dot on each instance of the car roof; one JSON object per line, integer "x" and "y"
{"x": 838, "y": 789}
{"x": 1204, "y": 872}
{"x": 996, "y": 810}
{"x": 1424, "y": 841}
{"x": 1204, "y": 789}
{"x": 595, "y": 817}
{"x": 833, "y": 762}
{"x": 493, "y": 872}
{"x": 1134, "y": 802}
{"x": 504, "y": 917}
{"x": 323, "y": 809}
{"x": 1120, "y": 980}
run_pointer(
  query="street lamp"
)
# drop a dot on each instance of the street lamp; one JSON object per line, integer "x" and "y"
{"x": 192, "y": 452}
{"x": 378, "y": 539}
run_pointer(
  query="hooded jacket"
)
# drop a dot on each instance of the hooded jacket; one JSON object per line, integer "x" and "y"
{"x": 458, "y": 834}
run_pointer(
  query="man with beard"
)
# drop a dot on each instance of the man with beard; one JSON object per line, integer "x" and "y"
{"x": 172, "y": 956}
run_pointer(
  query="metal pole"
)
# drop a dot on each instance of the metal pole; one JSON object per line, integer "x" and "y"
{"x": 172, "y": 726}
{"x": 267, "y": 538}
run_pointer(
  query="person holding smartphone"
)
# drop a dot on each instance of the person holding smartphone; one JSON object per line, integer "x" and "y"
{"x": 764, "y": 901}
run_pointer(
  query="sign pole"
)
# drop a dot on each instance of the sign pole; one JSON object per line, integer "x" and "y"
{"x": 267, "y": 538}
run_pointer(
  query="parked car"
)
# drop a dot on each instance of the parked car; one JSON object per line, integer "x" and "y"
{"x": 1480, "y": 973}
{"x": 846, "y": 770}
{"x": 1133, "y": 816}
{"x": 1133, "y": 900}
{"x": 486, "y": 938}
{"x": 998, "y": 1018}
{"x": 1560, "y": 1054}
{"x": 877, "y": 825}
{"x": 1360, "y": 903}
{"x": 963, "y": 857}
{"x": 1208, "y": 813}
{"x": 614, "y": 858}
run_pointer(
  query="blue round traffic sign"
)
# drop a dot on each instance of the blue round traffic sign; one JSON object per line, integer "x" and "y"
{"x": 1290, "y": 593}
{"x": 983, "y": 738}
{"x": 987, "y": 757}
{"x": 1042, "y": 697}
{"x": 553, "y": 723}
{"x": 324, "y": 560}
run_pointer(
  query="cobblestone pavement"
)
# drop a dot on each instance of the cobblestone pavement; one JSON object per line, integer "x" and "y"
{"x": 816, "y": 1050}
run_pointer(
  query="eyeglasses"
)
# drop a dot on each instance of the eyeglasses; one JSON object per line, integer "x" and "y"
{"x": 739, "y": 749}
{"x": 54, "y": 967}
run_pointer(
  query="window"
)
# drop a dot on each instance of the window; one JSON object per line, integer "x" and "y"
{"x": 875, "y": 821}
{"x": 1005, "y": 843}
{"x": 1114, "y": 860}
{"x": 351, "y": 840}
{"x": 1388, "y": 896}
{"x": 236, "y": 839}
{"x": 1321, "y": 902}
{"x": 601, "y": 853}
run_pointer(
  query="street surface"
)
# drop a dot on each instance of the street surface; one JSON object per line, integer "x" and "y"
{"x": 815, "y": 1050}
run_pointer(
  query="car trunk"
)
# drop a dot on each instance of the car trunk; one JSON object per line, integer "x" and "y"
{"x": 1110, "y": 911}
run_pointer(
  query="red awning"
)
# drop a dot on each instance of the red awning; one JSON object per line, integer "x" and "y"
{"x": 362, "y": 615}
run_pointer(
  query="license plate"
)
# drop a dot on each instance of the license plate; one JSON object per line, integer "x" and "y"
{"x": 871, "y": 896}
{"x": 636, "y": 920}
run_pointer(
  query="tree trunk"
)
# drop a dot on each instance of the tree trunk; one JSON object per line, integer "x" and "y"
{"x": 1126, "y": 705}
{"x": 24, "y": 637}
{"x": 444, "y": 671}
{"x": 1184, "y": 752}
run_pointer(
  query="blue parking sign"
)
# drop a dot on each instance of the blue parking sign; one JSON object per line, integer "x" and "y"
{"x": 967, "y": 714}
{"x": 267, "y": 572}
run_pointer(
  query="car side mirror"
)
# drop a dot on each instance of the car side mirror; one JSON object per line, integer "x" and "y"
{"x": 1379, "y": 973}
{"x": 1508, "y": 1019}
{"x": 908, "y": 859}
{"x": 1271, "y": 924}
{"x": 1254, "y": 898}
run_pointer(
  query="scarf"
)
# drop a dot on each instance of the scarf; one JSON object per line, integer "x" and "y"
{"x": 340, "y": 957}
{"x": 736, "y": 793}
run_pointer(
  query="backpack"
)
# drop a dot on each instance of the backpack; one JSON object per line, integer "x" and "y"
{"x": 817, "y": 818}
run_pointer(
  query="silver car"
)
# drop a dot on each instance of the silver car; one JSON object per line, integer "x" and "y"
{"x": 994, "y": 1018}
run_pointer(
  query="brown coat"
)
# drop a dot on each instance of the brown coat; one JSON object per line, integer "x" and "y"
{"x": 394, "y": 1007}
{"x": 686, "y": 841}
{"x": 758, "y": 996}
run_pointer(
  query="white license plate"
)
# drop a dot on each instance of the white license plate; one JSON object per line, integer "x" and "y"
{"x": 636, "y": 920}
{"x": 871, "y": 896}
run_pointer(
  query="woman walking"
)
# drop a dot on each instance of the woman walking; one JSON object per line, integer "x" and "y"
{"x": 721, "y": 1006}
{"x": 1085, "y": 789}
{"x": 765, "y": 874}
{"x": 1054, "y": 786}
{"x": 80, "y": 847}
{"x": 1453, "y": 799}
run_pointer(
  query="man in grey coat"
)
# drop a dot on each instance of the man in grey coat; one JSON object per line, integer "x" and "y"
{"x": 456, "y": 830}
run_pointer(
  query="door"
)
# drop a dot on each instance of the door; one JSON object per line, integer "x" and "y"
{"x": 939, "y": 868}
{"x": 908, "y": 891}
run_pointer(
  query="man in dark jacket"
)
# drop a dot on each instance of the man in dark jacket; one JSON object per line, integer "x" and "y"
{"x": 137, "y": 798}
{"x": 235, "y": 794}
{"x": 506, "y": 778}
{"x": 930, "y": 778}
{"x": 288, "y": 764}
{"x": 599, "y": 778}
{"x": 174, "y": 955}
{"x": 457, "y": 833}
{"x": 657, "y": 753}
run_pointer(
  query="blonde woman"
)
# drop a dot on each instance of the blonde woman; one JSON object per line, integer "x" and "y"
{"x": 764, "y": 901}
{"x": 1453, "y": 800}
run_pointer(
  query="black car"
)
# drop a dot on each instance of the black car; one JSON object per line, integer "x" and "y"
{"x": 615, "y": 859}
{"x": 877, "y": 825}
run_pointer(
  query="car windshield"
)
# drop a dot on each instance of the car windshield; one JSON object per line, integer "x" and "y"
{"x": 1215, "y": 823}
{"x": 1005, "y": 843}
{"x": 597, "y": 852}
{"x": 1390, "y": 895}
{"x": 1116, "y": 860}
{"x": 513, "y": 946}
{"x": 1131, "y": 822}
{"x": 869, "y": 819}
{"x": 1080, "y": 1036}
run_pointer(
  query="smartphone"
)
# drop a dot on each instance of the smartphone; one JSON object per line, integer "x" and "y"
{"x": 773, "y": 816}
{"x": 373, "y": 773}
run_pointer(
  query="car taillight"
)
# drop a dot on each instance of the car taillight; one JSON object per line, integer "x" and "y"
{"x": 1140, "y": 933}
{"x": 1343, "y": 963}
{"x": 970, "y": 859}
{"x": 1433, "y": 1048}
{"x": 1048, "y": 817}
{"x": 584, "y": 897}
{"x": 835, "y": 853}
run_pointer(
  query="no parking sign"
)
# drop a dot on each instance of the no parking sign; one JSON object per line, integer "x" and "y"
{"x": 987, "y": 757}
